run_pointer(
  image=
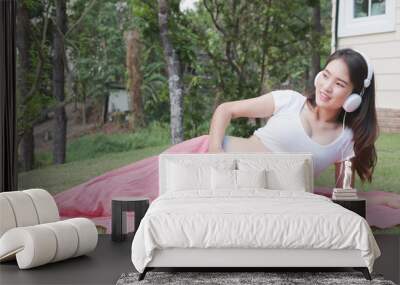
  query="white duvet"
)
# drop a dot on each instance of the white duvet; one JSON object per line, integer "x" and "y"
{"x": 250, "y": 219}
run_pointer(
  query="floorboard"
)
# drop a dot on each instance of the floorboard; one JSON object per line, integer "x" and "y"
{"x": 111, "y": 259}
{"x": 102, "y": 266}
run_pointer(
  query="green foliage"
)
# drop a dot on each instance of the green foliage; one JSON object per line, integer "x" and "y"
{"x": 145, "y": 18}
{"x": 29, "y": 109}
{"x": 154, "y": 88}
{"x": 225, "y": 46}
{"x": 98, "y": 46}
{"x": 228, "y": 50}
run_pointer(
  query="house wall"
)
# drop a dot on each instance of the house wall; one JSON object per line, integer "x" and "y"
{"x": 384, "y": 52}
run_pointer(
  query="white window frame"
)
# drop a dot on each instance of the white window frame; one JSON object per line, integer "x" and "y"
{"x": 350, "y": 26}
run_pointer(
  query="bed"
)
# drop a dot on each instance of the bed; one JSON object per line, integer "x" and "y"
{"x": 247, "y": 210}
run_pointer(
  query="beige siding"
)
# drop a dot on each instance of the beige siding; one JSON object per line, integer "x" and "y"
{"x": 384, "y": 51}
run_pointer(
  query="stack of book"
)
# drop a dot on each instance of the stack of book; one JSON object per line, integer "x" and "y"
{"x": 344, "y": 194}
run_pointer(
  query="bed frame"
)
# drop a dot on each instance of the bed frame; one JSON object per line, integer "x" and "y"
{"x": 242, "y": 259}
{"x": 246, "y": 258}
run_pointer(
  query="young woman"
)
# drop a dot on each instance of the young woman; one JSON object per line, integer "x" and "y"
{"x": 296, "y": 124}
{"x": 318, "y": 124}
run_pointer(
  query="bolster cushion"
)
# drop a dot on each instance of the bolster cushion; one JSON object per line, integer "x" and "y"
{"x": 26, "y": 208}
{"x": 40, "y": 244}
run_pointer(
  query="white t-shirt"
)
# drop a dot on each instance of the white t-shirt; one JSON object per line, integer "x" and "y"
{"x": 284, "y": 132}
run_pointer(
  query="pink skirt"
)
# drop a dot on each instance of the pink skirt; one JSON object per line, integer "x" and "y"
{"x": 92, "y": 199}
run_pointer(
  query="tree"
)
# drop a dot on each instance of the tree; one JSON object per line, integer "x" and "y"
{"x": 32, "y": 73}
{"x": 316, "y": 34}
{"x": 60, "y": 122}
{"x": 174, "y": 75}
{"x": 97, "y": 48}
{"x": 24, "y": 68}
{"x": 250, "y": 48}
{"x": 135, "y": 76}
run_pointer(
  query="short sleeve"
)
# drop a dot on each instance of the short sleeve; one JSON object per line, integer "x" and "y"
{"x": 285, "y": 100}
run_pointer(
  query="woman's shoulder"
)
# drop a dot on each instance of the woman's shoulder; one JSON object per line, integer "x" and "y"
{"x": 287, "y": 100}
{"x": 287, "y": 93}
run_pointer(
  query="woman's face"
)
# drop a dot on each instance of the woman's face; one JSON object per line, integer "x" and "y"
{"x": 333, "y": 85}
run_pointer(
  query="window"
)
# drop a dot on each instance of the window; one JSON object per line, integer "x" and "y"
{"x": 365, "y": 8}
{"x": 359, "y": 17}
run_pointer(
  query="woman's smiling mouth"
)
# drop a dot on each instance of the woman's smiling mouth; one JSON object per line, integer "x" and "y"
{"x": 324, "y": 97}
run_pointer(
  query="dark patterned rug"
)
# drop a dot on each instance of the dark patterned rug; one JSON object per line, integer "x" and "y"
{"x": 225, "y": 278}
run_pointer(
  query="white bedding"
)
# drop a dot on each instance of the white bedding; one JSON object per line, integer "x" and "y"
{"x": 250, "y": 218}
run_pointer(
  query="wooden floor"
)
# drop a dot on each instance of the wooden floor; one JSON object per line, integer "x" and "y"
{"x": 102, "y": 266}
{"x": 111, "y": 259}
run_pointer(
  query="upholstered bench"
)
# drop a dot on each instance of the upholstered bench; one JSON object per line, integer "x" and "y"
{"x": 31, "y": 231}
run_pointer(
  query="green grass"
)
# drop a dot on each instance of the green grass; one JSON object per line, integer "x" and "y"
{"x": 392, "y": 231}
{"x": 387, "y": 170}
{"x": 96, "y": 145}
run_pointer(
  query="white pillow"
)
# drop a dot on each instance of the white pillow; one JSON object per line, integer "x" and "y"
{"x": 227, "y": 179}
{"x": 182, "y": 177}
{"x": 293, "y": 179}
{"x": 184, "y": 174}
{"x": 251, "y": 178}
{"x": 288, "y": 175}
{"x": 223, "y": 179}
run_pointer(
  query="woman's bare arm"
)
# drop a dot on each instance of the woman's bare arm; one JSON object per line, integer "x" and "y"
{"x": 259, "y": 107}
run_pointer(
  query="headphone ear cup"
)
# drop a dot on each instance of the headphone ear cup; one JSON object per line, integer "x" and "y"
{"x": 316, "y": 78}
{"x": 352, "y": 102}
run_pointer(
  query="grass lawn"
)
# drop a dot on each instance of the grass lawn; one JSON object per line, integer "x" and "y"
{"x": 387, "y": 170}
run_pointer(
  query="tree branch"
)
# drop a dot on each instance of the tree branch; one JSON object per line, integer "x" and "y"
{"x": 264, "y": 50}
{"x": 219, "y": 28}
{"x": 73, "y": 26}
{"x": 39, "y": 66}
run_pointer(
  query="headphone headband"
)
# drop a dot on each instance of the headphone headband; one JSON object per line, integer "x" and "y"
{"x": 367, "y": 81}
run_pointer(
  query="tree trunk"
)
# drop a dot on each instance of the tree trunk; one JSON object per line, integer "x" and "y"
{"x": 316, "y": 44}
{"x": 60, "y": 119}
{"x": 105, "y": 109}
{"x": 84, "y": 113}
{"x": 28, "y": 148}
{"x": 135, "y": 77}
{"x": 174, "y": 75}
{"x": 23, "y": 42}
{"x": 316, "y": 58}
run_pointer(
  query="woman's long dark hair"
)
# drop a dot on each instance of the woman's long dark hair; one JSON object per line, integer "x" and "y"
{"x": 362, "y": 121}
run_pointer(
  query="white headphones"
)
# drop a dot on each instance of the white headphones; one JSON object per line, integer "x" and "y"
{"x": 354, "y": 100}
